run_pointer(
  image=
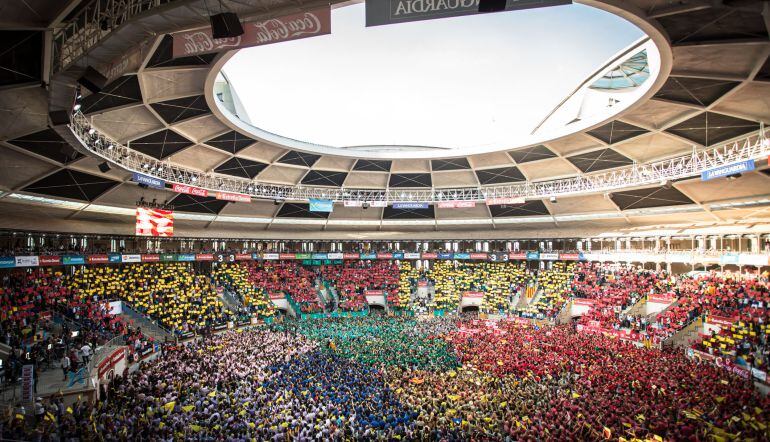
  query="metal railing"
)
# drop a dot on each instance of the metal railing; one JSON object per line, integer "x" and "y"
{"x": 91, "y": 24}
{"x": 752, "y": 147}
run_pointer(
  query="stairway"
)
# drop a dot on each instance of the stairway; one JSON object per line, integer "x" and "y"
{"x": 149, "y": 327}
{"x": 564, "y": 316}
{"x": 230, "y": 301}
{"x": 637, "y": 309}
{"x": 687, "y": 336}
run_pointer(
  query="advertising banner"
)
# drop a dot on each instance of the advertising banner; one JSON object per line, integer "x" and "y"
{"x": 167, "y": 257}
{"x": 154, "y": 222}
{"x": 186, "y": 257}
{"x": 384, "y": 255}
{"x": 204, "y": 257}
{"x": 374, "y": 293}
{"x": 353, "y": 203}
{"x": 504, "y": 201}
{"x": 50, "y": 260}
{"x": 445, "y": 255}
{"x": 385, "y": 12}
{"x": 256, "y": 256}
{"x": 149, "y": 181}
{"x": 335, "y": 255}
{"x": 277, "y": 295}
{"x": 98, "y": 259}
{"x": 270, "y": 256}
{"x": 473, "y": 294}
{"x": 348, "y": 255}
{"x": 729, "y": 258}
{"x": 7, "y": 262}
{"x": 429, "y": 255}
{"x": 27, "y": 261}
{"x": 378, "y": 204}
{"x": 583, "y": 301}
{"x": 131, "y": 258}
{"x": 533, "y": 256}
{"x": 456, "y": 204}
{"x": 723, "y": 321}
{"x": 115, "y": 258}
{"x": 727, "y": 170}
{"x": 243, "y": 256}
{"x": 368, "y": 256}
{"x": 479, "y": 256}
{"x": 398, "y": 255}
{"x": 410, "y": 205}
{"x": 517, "y": 255}
{"x": 319, "y": 256}
{"x": 234, "y": 197}
{"x": 287, "y": 256}
{"x": 549, "y": 256}
{"x": 256, "y": 33}
{"x": 462, "y": 256}
{"x": 74, "y": 260}
{"x": 569, "y": 256}
{"x": 319, "y": 205}
{"x": 661, "y": 298}
{"x": 411, "y": 255}
{"x": 151, "y": 258}
{"x": 190, "y": 190}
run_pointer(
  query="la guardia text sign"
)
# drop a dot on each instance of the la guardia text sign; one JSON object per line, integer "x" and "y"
{"x": 385, "y": 12}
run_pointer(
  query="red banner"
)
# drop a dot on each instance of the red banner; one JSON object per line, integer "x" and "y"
{"x": 190, "y": 190}
{"x": 569, "y": 256}
{"x": 422, "y": 283}
{"x": 517, "y": 255}
{"x": 350, "y": 256}
{"x": 374, "y": 293}
{"x": 242, "y": 256}
{"x": 234, "y": 197}
{"x": 504, "y": 201}
{"x": 277, "y": 295}
{"x": 98, "y": 259}
{"x": 150, "y": 258}
{"x": 662, "y": 298}
{"x": 724, "y": 321}
{"x": 429, "y": 255}
{"x": 583, "y": 301}
{"x": 384, "y": 256}
{"x": 483, "y": 256}
{"x": 204, "y": 257}
{"x": 473, "y": 294}
{"x": 456, "y": 204}
{"x": 256, "y": 33}
{"x": 286, "y": 256}
{"x": 49, "y": 260}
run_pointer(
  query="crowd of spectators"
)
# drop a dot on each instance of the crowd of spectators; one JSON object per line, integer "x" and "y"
{"x": 353, "y": 279}
{"x": 288, "y": 278}
{"x": 238, "y": 280}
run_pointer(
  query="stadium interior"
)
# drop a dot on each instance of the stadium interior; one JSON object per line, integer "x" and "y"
{"x": 173, "y": 267}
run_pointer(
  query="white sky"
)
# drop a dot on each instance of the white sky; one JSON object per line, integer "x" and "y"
{"x": 481, "y": 80}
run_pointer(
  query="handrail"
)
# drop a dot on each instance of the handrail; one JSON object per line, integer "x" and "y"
{"x": 751, "y": 147}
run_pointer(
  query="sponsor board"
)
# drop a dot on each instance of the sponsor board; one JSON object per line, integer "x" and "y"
{"x": 335, "y": 255}
{"x": 583, "y": 301}
{"x": 149, "y": 181}
{"x": 385, "y": 12}
{"x": 302, "y": 256}
{"x": 517, "y": 255}
{"x": 270, "y": 256}
{"x": 234, "y": 197}
{"x": 204, "y": 257}
{"x": 411, "y": 255}
{"x": 549, "y": 256}
{"x": 456, "y": 204}
{"x": 353, "y": 203}
{"x": 727, "y": 170}
{"x": 50, "y": 260}
{"x": 504, "y": 201}
{"x": 384, "y": 255}
{"x": 429, "y": 255}
{"x": 569, "y": 256}
{"x": 481, "y": 256}
{"x": 151, "y": 258}
{"x": 462, "y": 256}
{"x": 115, "y": 258}
{"x": 189, "y": 190}
{"x": 167, "y": 257}
{"x": 27, "y": 261}
{"x": 473, "y": 294}
{"x": 661, "y": 298}
{"x": 98, "y": 259}
{"x": 350, "y": 256}
{"x": 723, "y": 321}
{"x": 445, "y": 255}
{"x": 378, "y": 204}
{"x": 729, "y": 258}
{"x": 131, "y": 258}
{"x": 368, "y": 256}
{"x": 398, "y": 255}
{"x": 374, "y": 293}
{"x": 73, "y": 260}
{"x": 287, "y": 256}
{"x": 319, "y": 256}
{"x": 256, "y": 33}
{"x": 319, "y": 205}
{"x": 7, "y": 262}
{"x": 186, "y": 257}
{"x": 533, "y": 256}
{"x": 409, "y": 205}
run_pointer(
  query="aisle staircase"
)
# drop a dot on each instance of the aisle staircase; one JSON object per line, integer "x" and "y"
{"x": 687, "y": 336}
{"x": 149, "y": 326}
{"x": 231, "y": 301}
{"x": 637, "y": 309}
{"x": 565, "y": 315}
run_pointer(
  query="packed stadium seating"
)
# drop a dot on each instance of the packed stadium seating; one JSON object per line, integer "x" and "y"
{"x": 554, "y": 285}
{"x": 238, "y": 280}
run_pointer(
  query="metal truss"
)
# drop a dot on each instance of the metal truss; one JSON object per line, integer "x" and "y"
{"x": 91, "y": 24}
{"x": 752, "y": 147}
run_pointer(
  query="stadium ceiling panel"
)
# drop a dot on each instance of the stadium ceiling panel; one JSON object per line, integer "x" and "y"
{"x": 697, "y": 91}
{"x": 764, "y": 72}
{"x": 231, "y": 142}
{"x": 47, "y": 143}
{"x": 121, "y": 92}
{"x": 500, "y": 175}
{"x": 161, "y": 144}
{"x": 715, "y": 24}
{"x": 529, "y": 154}
{"x": 325, "y": 178}
{"x": 19, "y": 63}
{"x": 529, "y": 208}
{"x": 180, "y": 109}
{"x": 450, "y": 164}
{"x": 616, "y": 131}
{"x": 240, "y": 167}
{"x": 709, "y": 128}
{"x": 198, "y": 204}
{"x": 650, "y": 197}
{"x": 299, "y": 210}
{"x": 599, "y": 160}
{"x": 410, "y": 180}
{"x": 373, "y": 165}
{"x": 162, "y": 57}
{"x": 72, "y": 184}
{"x": 391, "y": 213}
{"x": 297, "y": 158}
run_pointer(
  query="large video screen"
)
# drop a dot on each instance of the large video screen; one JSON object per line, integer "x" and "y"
{"x": 154, "y": 222}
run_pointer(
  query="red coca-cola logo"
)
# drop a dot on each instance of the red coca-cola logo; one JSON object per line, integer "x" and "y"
{"x": 200, "y": 41}
{"x": 277, "y": 29}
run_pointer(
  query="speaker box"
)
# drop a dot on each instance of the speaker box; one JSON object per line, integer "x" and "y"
{"x": 93, "y": 80}
{"x": 59, "y": 117}
{"x": 104, "y": 167}
{"x": 491, "y": 5}
{"x": 225, "y": 25}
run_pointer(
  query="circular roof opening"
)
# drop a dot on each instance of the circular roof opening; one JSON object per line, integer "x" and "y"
{"x": 436, "y": 88}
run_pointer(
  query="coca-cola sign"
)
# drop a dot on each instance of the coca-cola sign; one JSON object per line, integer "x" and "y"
{"x": 256, "y": 33}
